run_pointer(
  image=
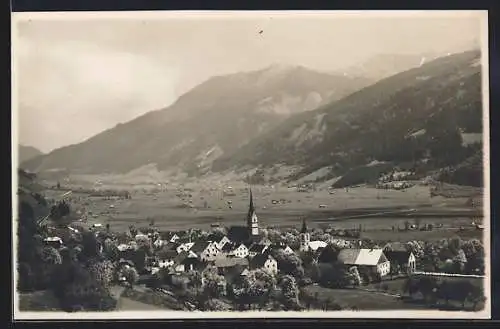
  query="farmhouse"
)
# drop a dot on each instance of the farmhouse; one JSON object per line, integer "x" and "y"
{"x": 236, "y": 250}
{"x": 398, "y": 255}
{"x": 184, "y": 247}
{"x": 371, "y": 260}
{"x": 185, "y": 261}
{"x": 231, "y": 265}
{"x": 206, "y": 251}
{"x": 256, "y": 249}
{"x": 264, "y": 262}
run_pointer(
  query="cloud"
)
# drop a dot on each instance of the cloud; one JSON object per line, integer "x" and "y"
{"x": 70, "y": 91}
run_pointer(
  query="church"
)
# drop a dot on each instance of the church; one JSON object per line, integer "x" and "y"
{"x": 250, "y": 233}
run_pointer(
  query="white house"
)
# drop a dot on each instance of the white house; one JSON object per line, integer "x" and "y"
{"x": 264, "y": 262}
{"x": 288, "y": 250}
{"x": 222, "y": 242}
{"x": 185, "y": 247}
{"x": 315, "y": 245}
{"x": 206, "y": 251}
{"x": 240, "y": 251}
{"x": 372, "y": 259}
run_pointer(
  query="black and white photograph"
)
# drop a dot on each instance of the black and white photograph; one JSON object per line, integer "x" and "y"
{"x": 309, "y": 164}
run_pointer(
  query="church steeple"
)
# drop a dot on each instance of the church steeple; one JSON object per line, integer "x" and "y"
{"x": 252, "y": 220}
{"x": 305, "y": 237}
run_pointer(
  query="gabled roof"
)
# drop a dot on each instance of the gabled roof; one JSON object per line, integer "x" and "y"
{"x": 368, "y": 257}
{"x": 230, "y": 261}
{"x": 229, "y": 247}
{"x": 199, "y": 246}
{"x": 259, "y": 260}
{"x": 315, "y": 245}
{"x": 257, "y": 248}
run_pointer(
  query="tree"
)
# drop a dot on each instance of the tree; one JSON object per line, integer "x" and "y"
{"x": 111, "y": 251}
{"x": 290, "y": 292}
{"x": 130, "y": 274}
{"x": 87, "y": 296}
{"x": 289, "y": 264}
{"x": 214, "y": 284}
{"x": 102, "y": 271}
{"x": 195, "y": 278}
{"x": 50, "y": 255}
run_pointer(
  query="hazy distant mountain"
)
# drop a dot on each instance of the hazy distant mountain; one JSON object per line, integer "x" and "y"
{"x": 417, "y": 116}
{"x": 28, "y": 152}
{"x": 214, "y": 118}
{"x": 385, "y": 65}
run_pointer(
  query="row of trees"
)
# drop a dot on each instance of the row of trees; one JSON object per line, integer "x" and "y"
{"x": 447, "y": 290}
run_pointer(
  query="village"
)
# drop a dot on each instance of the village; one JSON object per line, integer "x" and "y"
{"x": 244, "y": 267}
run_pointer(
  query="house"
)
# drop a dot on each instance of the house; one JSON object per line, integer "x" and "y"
{"x": 400, "y": 256}
{"x": 265, "y": 262}
{"x": 237, "y": 250}
{"x": 185, "y": 262}
{"x": 220, "y": 243}
{"x": 206, "y": 251}
{"x": 54, "y": 241}
{"x": 235, "y": 274}
{"x": 166, "y": 258}
{"x": 184, "y": 247}
{"x": 256, "y": 249}
{"x": 366, "y": 260}
{"x": 315, "y": 245}
{"x": 227, "y": 264}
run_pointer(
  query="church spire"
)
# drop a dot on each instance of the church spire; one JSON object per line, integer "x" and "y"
{"x": 252, "y": 220}
{"x": 251, "y": 209}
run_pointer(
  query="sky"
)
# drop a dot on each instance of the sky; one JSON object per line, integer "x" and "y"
{"x": 75, "y": 75}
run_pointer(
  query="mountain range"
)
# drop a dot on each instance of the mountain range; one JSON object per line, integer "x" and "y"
{"x": 419, "y": 115}
{"x": 214, "y": 118}
{"x": 28, "y": 152}
{"x": 297, "y": 118}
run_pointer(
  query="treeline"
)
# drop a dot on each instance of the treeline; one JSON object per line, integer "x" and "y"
{"x": 77, "y": 274}
{"x": 447, "y": 290}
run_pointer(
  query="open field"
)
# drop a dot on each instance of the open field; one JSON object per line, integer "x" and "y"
{"x": 376, "y": 210}
{"x": 360, "y": 299}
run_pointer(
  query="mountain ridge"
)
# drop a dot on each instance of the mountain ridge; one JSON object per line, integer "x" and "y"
{"x": 361, "y": 127}
{"x": 219, "y": 115}
{"x": 26, "y": 152}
